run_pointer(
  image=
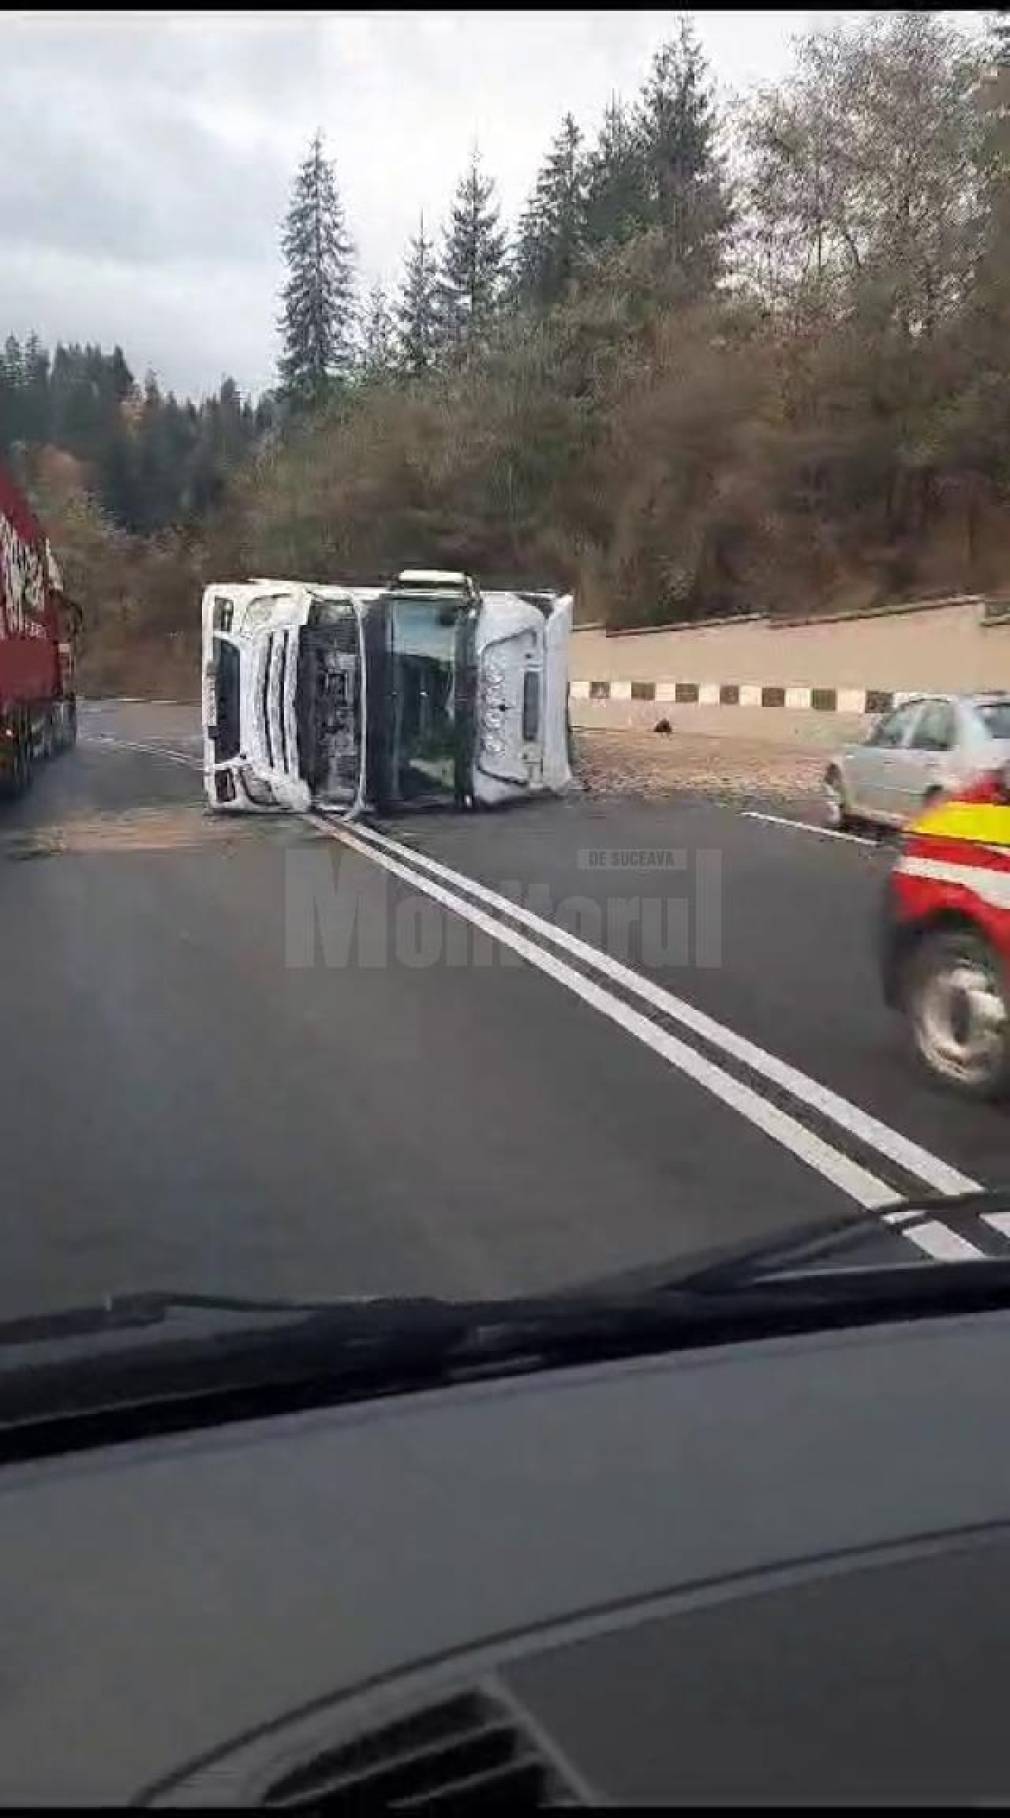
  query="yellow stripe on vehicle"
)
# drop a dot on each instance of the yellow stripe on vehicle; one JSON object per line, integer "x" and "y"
{"x": 985, "y": 822}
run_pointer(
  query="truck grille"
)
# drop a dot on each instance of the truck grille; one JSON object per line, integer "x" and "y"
{"x": 268, "y": 743}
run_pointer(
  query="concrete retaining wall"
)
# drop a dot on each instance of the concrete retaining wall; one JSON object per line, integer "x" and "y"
{"x": 758, "y": 677}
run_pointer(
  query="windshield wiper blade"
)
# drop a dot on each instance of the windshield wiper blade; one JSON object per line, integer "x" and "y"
{"x": 791, "y": 1251}
{"x": 176, "y": 1361}
{"x": 152, "y": 1307}
{"x": 163, "y": 1362}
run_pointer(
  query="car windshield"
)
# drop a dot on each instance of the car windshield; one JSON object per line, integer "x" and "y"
{"x": 494, "y": 632}
{"x": 995, "y": 717}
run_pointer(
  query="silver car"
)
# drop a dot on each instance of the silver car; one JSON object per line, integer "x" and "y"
{"x": 928, "y": 745}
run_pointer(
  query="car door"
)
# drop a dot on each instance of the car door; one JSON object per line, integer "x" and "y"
{"x": 924, "y": 763}
{"x": 872, "y": 768}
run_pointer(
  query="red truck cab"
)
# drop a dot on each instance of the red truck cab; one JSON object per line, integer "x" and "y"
{"x": 946, "y": 948}
{"x": 38, "y": 629}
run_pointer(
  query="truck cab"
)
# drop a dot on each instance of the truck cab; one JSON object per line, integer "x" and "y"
{"x": 351, "y": 698}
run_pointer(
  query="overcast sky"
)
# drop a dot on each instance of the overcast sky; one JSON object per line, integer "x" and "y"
{"x": 145, "y": 161}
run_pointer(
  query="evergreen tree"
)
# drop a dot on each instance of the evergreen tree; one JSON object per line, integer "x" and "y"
{"x": 12, "y": 393}
{"x": 552, "y": 229}
{"x": 416, "y": 309}
{"x": 151, "y": 465}
{"x": 318, "y": 297}
{"x": 377, "y": 345}
{"x": 13, "y": 362}
{"x": 616, "y": 207}
{"x": 121, "y": 378}
{"x": 683, "y": 176}
{"x": 472, "y": 260}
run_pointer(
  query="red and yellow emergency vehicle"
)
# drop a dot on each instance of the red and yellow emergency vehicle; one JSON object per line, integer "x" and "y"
{"x": 946, "y": 950}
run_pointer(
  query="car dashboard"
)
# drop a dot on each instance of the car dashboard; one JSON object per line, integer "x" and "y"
{"x": 776, "y": 1570}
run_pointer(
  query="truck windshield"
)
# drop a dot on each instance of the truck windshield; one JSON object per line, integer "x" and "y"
{"x": 424, "y": 729}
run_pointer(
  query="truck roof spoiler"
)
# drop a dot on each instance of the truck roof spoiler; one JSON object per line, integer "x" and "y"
{"x": 444, "y": 580}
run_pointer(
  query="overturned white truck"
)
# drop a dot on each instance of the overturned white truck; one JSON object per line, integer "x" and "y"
{"x": 373, "y": 698}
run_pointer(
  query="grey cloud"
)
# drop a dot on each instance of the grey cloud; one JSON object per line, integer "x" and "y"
{"x": 139, "y": 178}
{"x": 192, "y": 330}
{"x": 145, "y": 162}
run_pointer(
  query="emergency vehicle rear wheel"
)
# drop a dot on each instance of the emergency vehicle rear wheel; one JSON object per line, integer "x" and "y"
{"x": 957, "y": 1002}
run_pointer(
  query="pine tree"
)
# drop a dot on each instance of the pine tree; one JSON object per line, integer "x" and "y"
{"x": 552, "y": 229}
{"x": 472, "y": 260}
{"x": 12, "y": 393}
{"x": 377, "y": 342}
{"x": 416, "y": 309}
{"x": 318, "y": 297}
{"x": 683, "y": 176}
{"x": 36, "y": 391}
{"x": 121, "y": 378}
{"x": 616, "y": 206}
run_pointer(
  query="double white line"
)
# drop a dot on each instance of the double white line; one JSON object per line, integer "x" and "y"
{"x": 462, "y": 895}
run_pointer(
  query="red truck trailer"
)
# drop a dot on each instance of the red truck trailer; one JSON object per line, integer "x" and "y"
{"x": 38, "y": 629}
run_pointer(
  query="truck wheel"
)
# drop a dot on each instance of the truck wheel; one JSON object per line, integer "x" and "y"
{"x": 27, "y": 752}
{"x": 18, "y": 774}
{"x": 957, "y": 1003}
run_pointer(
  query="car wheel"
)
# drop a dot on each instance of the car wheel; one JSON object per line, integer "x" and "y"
{"x": 957, "y": 1004}
{"x": 836, "y": 802}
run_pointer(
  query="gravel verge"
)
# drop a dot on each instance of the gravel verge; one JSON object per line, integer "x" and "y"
{"x": 655, "y": 764}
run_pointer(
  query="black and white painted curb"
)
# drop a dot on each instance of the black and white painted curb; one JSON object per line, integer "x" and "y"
{"x": 743, "y": 694}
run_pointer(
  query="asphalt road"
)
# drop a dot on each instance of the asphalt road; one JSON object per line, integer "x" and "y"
{"x": 255, "y": 1057}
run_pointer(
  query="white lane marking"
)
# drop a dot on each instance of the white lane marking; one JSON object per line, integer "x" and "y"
{"x": 1000, "y": 1221}
{"x": 849, "y": 1176}
{"x": 826, "y": 833}
{"x": 908, "y": 1155}
{"x": 940, "y": 1241}
{"x": 163, "y": 751}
